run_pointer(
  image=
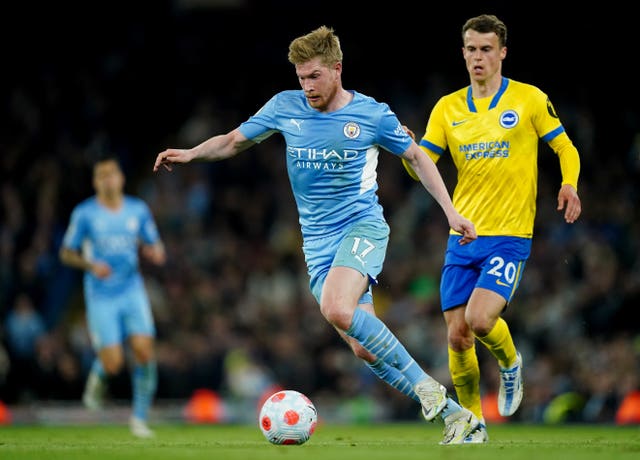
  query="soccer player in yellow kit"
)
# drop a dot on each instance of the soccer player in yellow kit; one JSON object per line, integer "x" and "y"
{"x": 492, "y": 128}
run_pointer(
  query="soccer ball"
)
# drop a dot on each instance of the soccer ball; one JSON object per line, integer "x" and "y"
{"x": 288, "y": 417}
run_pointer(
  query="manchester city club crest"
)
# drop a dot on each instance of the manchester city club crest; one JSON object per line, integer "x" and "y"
{"x": 351, "y": 130}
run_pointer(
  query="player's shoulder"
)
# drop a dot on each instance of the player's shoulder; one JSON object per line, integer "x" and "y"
{"x": 458, "y": 94}
{"x": 134, "y": 201}
{"x": 366, "y": 99}
{"x": 368, "y": 104}
{"x": 287, "y": 101}
{"x": 86, "y": 205}
{"x": 524, "y": 88}
{"x": 361, "y": 97}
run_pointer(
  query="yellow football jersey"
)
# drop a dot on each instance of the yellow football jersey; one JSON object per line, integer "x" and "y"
{"x": 494, "y": 145}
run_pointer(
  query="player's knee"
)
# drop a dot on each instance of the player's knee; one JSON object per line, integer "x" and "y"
{"x": 459, "y": 341}
{"x": 143, "y": 355}
{"x": 112, "y": 366}
{"x": 480, "y": 326}
{"x": 336, "y": 315}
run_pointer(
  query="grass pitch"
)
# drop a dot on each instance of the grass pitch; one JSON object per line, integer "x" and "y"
{"x": 412, "y": 441}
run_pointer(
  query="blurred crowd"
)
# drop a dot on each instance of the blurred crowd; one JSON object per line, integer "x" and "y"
{"x": 232, "y": 307}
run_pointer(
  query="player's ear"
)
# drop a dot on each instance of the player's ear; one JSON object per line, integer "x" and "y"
{"x": 337, "y": 67}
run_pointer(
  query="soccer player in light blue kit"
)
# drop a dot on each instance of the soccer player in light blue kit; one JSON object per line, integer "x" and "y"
{"x": 105, "y": 233}
{"x": 333, "y": 137}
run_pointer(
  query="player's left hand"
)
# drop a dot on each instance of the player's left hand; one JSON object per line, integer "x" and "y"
{"x": 409, "y": 132}
{"x": 569, "y": 200}
{"x": 155, "y": 253}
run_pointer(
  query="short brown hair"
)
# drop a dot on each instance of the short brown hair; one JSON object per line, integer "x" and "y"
{"x": 321, "y": 42}
{"x": 486, "y": 23}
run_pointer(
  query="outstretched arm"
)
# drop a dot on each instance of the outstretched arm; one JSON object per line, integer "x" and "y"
{"x": 431, "y": 179}
{"x": 213, "y": 149}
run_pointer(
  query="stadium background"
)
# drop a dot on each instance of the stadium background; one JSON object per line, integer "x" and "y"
{"x": 232, "y": 307}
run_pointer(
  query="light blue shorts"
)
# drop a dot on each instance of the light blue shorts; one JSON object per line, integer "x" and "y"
{"x": 491, "y": 262}
{"x": 111, "y": 319}
{"x": 362, "y": 247}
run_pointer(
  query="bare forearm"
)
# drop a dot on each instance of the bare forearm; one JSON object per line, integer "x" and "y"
{"x": 430, "y": 177}
{"x": 434, "y": 184}
{"x": 75, "y": 260}
{"x": 213, "y": 149}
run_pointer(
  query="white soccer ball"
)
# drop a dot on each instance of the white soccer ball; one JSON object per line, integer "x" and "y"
{"x": 288, "y": 417}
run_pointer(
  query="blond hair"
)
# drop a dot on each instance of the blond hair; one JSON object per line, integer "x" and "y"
{"x": 321, "y": 42}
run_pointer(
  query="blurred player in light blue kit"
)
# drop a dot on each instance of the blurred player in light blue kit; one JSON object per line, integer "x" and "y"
{"x": 105, "y": 234}
{"x": 492, "y": 129}
{"x": 333, "y": 138}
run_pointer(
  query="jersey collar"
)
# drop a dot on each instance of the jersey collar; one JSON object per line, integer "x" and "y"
{"x": 494, "y": 101}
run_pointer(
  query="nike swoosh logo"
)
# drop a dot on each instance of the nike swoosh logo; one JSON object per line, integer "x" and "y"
{"x": 456, "y": 123}
{"x": 502, "y": 283}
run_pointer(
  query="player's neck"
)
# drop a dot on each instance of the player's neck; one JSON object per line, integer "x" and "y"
{"x": 113, "y": 202}
{"x": 341, "y": 98}
{"x": 486, "y": 88}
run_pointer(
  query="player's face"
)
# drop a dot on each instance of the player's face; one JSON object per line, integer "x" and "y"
{"x": 483, "y": 55}
{"x": 319, "y": 82}
{"x": 108, "y": 179}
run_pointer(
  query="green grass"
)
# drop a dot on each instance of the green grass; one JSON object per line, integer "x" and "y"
{"x": 330, "y": 442}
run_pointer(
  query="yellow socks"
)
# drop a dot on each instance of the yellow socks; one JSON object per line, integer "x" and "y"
{"x": 465, "y": 375}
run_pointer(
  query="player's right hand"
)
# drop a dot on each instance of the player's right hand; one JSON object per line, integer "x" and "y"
{"x": 170, "y": 156}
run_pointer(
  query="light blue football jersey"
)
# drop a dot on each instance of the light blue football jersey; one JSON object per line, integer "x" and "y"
{"x": 331, "y": 157}
{"x": 111, "y": 236}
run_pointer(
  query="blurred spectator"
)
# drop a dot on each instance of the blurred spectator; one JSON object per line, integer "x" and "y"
{"x": 24, "y": 327}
